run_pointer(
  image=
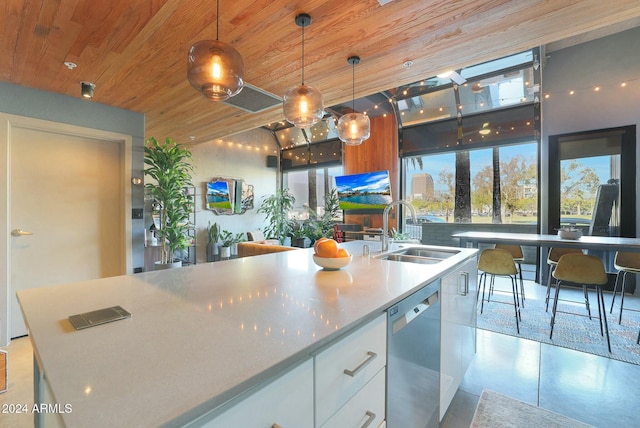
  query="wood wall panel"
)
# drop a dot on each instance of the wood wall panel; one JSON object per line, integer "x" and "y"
{"x": 379, "y": 152}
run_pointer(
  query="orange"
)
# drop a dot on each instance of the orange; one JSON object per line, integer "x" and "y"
{"x": 343, "y": 253}
{"x": 318, "y": 241}
{"x": 326, "y": 247}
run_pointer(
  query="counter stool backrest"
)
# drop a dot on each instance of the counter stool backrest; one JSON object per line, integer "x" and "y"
{"x": 627, "y": 261}
{"x": 497, "y": 262}
{"x": 580, "y": 269}
{"x": 555, "y": 254}
{"x": 514, "y": 250}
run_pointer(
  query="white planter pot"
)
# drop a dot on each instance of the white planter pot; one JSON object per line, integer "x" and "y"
{"x": 225, "y": 252}
{"x": 162, "y": 266}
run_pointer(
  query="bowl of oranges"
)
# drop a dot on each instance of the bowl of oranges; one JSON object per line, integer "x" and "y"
{"x": 329, "y": 256}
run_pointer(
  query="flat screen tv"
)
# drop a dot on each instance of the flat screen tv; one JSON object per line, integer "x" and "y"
{"x": 218, "y": 195}
{"x": 369, "y": 191}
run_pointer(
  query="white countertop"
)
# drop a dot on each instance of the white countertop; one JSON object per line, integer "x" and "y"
{"x": 201, "y": 334}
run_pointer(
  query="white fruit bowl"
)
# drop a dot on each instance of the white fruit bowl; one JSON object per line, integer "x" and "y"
{"x": 332, "y": 263}
{"x": 569, "y": 233}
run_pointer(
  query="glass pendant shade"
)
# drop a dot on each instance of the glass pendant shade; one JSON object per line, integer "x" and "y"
{"x": 303, "y": 106}
{"x": 215, "y": 69}
{"x": 354, "y": 128}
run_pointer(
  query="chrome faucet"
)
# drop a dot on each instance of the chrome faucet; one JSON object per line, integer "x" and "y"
{"x": 385, "y": 221}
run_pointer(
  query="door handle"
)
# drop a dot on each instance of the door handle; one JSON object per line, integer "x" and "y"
{"x": 20, "y": 232}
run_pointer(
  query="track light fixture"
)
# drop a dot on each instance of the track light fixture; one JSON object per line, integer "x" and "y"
{"x": 215, "y": 68}
{"x": 87, "y": 89}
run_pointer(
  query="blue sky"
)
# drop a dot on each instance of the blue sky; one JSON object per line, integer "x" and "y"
{"x": 372, "y": 181}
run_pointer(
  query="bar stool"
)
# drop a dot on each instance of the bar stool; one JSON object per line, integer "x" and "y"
{"x": 518, "y": 258}
{"x": 625, "y": 262}
{"x": 499, "y": 263}
{"x": 586, "y": 270}
{"x": 552, "y": 261}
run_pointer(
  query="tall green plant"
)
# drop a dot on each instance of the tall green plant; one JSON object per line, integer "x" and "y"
{"x": 168, "y": 164}
{"x": 277, "y": 208}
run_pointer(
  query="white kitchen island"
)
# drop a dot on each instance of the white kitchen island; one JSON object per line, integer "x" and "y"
{"x": 202, "y": 336}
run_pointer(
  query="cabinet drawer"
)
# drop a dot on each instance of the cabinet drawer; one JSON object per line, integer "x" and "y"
{"x": 366, "y": 408}
{"x": 344, "y": 368}
{"x": 287, "y": 402}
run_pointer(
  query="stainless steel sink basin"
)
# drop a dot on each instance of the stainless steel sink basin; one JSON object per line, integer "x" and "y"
{"x": 411, "y": 259}
{"x": 422, "y": 255}
{"x": 427, "y": 252}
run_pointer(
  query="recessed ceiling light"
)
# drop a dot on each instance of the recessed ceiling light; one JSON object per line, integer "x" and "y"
{"x": 70, "y": 65}
{"x": 407, "y": 64}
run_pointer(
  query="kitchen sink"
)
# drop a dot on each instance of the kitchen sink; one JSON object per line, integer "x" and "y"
{"x": 421, "y": 255}
{"x": 411, "y": 259}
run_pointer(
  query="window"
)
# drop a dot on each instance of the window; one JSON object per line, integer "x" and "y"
{"x": 309, "y": 187}
{"x": 431, "y": 180}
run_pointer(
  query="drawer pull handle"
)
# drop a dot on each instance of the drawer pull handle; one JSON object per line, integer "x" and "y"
{"x": 372, "y": 356}
{"x": 370, "y": 418}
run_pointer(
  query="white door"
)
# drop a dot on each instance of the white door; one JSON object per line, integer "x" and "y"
{"x": 67, "y": 191}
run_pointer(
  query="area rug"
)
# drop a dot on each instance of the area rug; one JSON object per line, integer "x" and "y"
{"x": 499, "y": 411}
{"x": 570, "y": 331}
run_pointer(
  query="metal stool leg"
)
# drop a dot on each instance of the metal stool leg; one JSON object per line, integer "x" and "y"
{"x": 615, "y": 291}
{"x": 546, "y": 300}
{"x": 624, "y": 282}
{"x": 521, "y": 284}
{"x": 586, "y": 300}
{"x": 516, "y": 305}
{"x": 554, "y": 308}
{"x": 603, "y": 314}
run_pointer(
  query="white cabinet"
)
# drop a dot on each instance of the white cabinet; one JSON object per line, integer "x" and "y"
{"x": 458, "y": 328}
{"x": 346, "y": 369}
{"x": 286, "y": 402}
{"x": 365, "y": 409}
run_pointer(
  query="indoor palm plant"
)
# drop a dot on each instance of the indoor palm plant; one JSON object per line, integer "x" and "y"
{"x": 168, "y": 165}
{"x": 277, "y": 208}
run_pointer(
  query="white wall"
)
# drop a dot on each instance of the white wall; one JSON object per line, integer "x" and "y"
{"x": 606, "y": 63}
{"x": 239, "y": 156}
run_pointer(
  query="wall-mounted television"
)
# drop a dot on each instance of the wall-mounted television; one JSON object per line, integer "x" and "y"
{"x": 365, "y": 192}
{"x": 218, "y": 197}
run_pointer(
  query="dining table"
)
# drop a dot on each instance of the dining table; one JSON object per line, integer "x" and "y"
{"x": 596, "y": 243}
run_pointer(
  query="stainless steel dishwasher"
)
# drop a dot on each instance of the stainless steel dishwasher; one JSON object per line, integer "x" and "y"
{"x": 413, "y": 364}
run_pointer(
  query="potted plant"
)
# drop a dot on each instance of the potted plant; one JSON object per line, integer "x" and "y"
{"x": 322, "y": 226}
{"x": 228, "y": 240}
{"x": 167, "y": 164}
{"x": 213, "y": 236}
{"x": 277, "y": 208}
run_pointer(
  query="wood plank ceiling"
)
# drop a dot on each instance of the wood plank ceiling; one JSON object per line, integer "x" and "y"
{"x": 135, "y": 51}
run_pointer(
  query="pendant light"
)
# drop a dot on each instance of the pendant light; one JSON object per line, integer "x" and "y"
{"x": 215, "y": 68}
{"x": 354, "y": 128}
{"x": 303, "y": 105}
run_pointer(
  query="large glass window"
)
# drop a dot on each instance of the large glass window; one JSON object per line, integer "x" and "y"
{"x": 431, "y": 180}
{"x": 309, "y": 186}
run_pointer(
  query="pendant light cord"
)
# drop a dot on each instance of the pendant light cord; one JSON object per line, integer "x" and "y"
{"x": 303, "y": 55}
{"x": 217, "y": 16}
{"x": 353, "y": 87}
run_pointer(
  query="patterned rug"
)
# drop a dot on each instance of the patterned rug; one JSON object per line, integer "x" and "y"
{"x": 499, "y": 411}
{"x": 570, "y": 331}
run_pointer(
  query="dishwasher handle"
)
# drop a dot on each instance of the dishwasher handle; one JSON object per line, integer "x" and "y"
{"x": 413, "y": 313}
